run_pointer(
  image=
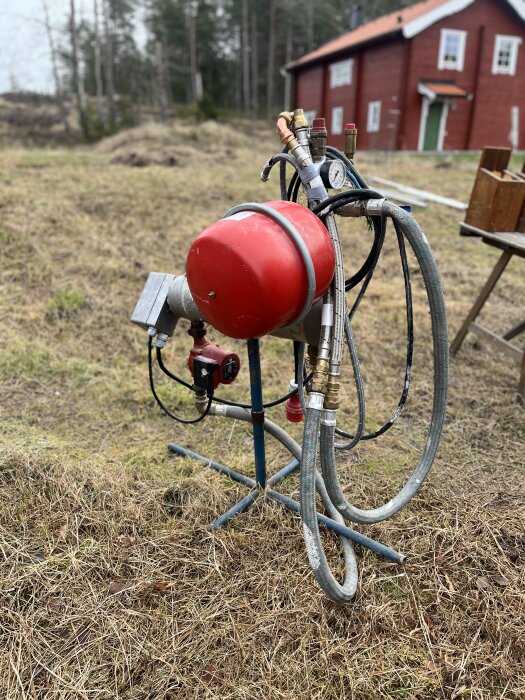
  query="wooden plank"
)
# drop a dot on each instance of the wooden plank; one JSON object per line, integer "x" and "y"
{"x": 506, "y": 240}
{"x": 497, "y": 341}
{"x": 403, "y": 198}
{"x": 430, "y": 196}
{"x": 481, "y": 200}
{"x": 495, "y": 158}
{"x": 515, "y": 242}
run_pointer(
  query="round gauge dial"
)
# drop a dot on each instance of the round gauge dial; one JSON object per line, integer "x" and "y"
{"x": 337, "y": 174}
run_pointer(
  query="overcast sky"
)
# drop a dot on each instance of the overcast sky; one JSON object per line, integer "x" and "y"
{"x": 24, "y": 50}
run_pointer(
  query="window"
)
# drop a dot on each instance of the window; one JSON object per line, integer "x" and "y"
{"x": 310, "y": 115}
{"x": 505, "y": 54}
{"x": 452, "y": 49}
{"x": 337, "y": 120}
{"x": 374, "y": 116}
{"x": 341, "y": 73}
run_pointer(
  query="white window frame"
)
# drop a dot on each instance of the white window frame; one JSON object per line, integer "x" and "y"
{"x": 336, "y": 126}
{"x": 444, "y": 64}
{"x": 341, "y": 73}
{"x": 373, "y": 118}
{"x": 310, "y": 115}
{"x": 515, "y": 42}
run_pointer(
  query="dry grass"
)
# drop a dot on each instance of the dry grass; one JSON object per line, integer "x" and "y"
{"x": 111, "y": 585}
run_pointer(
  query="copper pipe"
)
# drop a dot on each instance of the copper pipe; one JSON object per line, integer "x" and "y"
{"x": 284, "y": 131}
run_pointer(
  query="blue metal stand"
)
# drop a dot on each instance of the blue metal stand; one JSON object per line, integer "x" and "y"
{"x": 262, "y": 485}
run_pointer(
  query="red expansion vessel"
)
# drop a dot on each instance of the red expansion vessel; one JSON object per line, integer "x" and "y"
{"x": 247, "y": 276}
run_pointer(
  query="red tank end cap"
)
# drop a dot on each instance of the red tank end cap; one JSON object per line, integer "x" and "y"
{"x": 247, "y": 276}
{"x": 319, "y": 124}
{"x": 350, "y": 125}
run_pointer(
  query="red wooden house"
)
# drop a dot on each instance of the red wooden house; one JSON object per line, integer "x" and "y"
{"x": 441, "y": 74}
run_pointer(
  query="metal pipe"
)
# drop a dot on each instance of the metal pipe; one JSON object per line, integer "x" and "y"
{"x": 257, "y": 412}
{"x": 236, "y": 476}
{"x": 342, "y": 530}
{"x": 239, "y": 507}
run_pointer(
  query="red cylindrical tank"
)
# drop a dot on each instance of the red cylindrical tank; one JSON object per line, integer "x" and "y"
{"x": 246, "y": 275}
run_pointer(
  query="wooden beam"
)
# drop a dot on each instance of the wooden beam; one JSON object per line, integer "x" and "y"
{"x": 498, "y": 342}
{"x": 447, "y": 201}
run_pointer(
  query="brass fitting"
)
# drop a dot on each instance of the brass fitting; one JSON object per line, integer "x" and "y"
{"x": 201, "y": 400}
{"x": 299, "y": 120}
{"x": 350, "y": 141}
{"x": 332, "y": 393}
{"x": 320, "y": 378}
{"x": 318, "y": 135}
{"x": 311, "y": 357}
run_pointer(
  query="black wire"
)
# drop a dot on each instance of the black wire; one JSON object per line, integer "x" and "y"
{"x": 410, "y": 345}
{"x": 186, "y": 421}
{"x": 219, "y": 399}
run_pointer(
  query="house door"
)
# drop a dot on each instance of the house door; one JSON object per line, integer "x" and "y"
{"x": 432, "y": 127}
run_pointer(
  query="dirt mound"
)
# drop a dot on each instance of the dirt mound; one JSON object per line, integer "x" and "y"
{"x": 171, "y": 145}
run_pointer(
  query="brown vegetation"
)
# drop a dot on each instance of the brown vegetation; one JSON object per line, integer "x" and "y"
{"x": 111, "y": 585}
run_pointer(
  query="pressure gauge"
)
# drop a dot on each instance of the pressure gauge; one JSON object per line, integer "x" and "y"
{"x": 333, "y": 173}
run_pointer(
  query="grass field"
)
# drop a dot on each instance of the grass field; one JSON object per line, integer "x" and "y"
{"x": 110, "y": 584}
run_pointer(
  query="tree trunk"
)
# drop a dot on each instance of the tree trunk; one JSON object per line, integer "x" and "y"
{"x": 288, "y": 58}
{"x": 271, "y": 61}
{"x": 76, "y": 74}
{"x": 110, "y": 80}
{"x": 245, "y": 48}
{"x": 255, "y": 62}
{"x": 193, "y": 55}
{"x": 56, "y": 75}
{"x": 98, "y": 66}
{"x": 161, "y": 80}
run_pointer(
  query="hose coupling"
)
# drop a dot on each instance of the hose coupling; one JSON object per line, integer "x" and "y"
{"x": 328, "y": 417}
{"x": 320, "y": 378}
{"x": 315, "y": 400}
{"x": 367, "y": 207}
{"x": 332, "y": 393}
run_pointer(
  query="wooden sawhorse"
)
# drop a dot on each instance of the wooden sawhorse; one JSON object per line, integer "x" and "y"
{"x": 511, "y": 244}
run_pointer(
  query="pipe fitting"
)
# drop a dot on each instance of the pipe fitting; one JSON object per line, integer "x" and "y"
{"x": 332, "y": 393}
{"x": 201, "y": 400}
{"x": 320, "y": 378}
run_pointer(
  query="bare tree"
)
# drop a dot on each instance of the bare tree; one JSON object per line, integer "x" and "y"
{"x": 77, "y": 83}
{"x": 272, "y": 28}
{"x": 54, "y": 64}
{"x": 98, "y": 65}
{"x": 245, "y": 48}
{"x": 108, "y": 64}
{"x": 161, "y": 80}
{"x": 255, "y": 62}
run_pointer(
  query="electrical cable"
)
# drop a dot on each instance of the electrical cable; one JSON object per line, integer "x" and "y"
{"x": 219, "y": 399}
{"x": 186, "y": 421}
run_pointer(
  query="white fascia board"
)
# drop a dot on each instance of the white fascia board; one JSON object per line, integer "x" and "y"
{"x": 426, "y": 91}
{"x": 518, "y": 6}
{"x": 449, "y": 8}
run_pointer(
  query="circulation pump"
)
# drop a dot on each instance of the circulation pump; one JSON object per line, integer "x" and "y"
{"x": 277, "y": 269}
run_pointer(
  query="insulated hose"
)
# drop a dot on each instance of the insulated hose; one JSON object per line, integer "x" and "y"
{"x": 431, "y": 278}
